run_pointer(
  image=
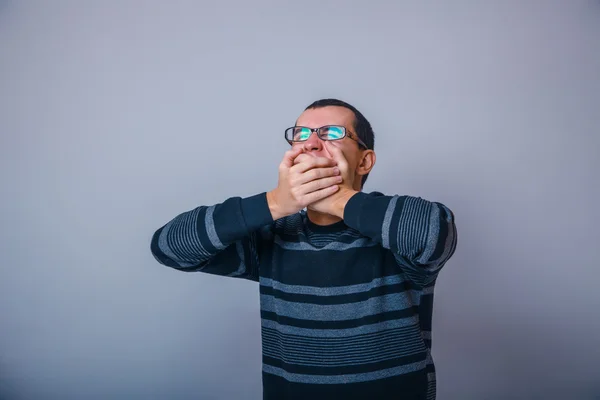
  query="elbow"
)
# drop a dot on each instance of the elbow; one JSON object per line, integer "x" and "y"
{"x": 157, "y": 253}
{"x": 440, "y": 241}
{"x": 446, "y": 238}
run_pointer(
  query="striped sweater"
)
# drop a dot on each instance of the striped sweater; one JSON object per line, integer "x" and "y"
{"x": 346, "y": 308}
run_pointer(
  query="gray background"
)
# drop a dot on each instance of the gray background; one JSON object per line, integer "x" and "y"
{"x": 116, "y": 116}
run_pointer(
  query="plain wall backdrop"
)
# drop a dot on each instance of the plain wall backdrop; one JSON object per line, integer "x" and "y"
{"x": 116, "y": 116}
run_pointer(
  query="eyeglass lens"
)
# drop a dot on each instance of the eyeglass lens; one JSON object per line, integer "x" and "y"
{"x": 300, "y": 134}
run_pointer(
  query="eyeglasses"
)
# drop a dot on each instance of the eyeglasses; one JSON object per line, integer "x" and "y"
{"x": 297, "y": 134}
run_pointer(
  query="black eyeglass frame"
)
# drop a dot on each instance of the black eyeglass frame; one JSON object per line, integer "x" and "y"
{"x": 346, "y": 132}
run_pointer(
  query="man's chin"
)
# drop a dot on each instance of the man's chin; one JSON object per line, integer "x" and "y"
{"x": 310, "y": 208}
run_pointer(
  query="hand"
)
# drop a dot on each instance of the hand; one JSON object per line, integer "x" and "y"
{"x": 303, "y": 183}
{"x": 336, "y": 202}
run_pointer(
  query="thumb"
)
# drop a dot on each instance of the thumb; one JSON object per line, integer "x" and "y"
{"x": 290, "y": 155}
{"x": 335, "y": 152}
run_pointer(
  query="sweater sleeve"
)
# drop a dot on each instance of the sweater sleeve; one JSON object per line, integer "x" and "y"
{"x": 421, "y": 234}
{"x": 222, "y": 239}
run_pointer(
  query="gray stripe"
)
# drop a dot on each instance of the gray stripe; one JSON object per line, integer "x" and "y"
{"x": 188, "y": 241}
{"x": 340, "y": 333}
{"x": 417, "y": 274}
{"x": 429, "y": 359}
{"x": 411, "y": 227}
{"x": 387, "y": 220}
{"x": 432, "y": 236}
{"x": 351, "y": 352}
{"x": 431, "y": 386}
{"x": 297, "y": 355}
{"x": 340, "y": 312}
{"x": 431, "y": 391}
{"x": 347, "y": 343}
{"x": 334, "y": 290}
{"x": 242, "y": 267}
{"x": 384, "y": 354}
{"x": 239, "y": 271}
{"x": 338, "y": 246}
{"x": 450, "y": 244}
{"x": 349, "y": 378}
{"x": 163, "y": 245}
{"x": 210, "y": 228}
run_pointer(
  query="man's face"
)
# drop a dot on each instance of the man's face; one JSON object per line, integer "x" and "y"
{"x": 330, "y": 115}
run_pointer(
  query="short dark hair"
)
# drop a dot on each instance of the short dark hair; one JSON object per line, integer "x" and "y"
{"x": 361, "y": 124}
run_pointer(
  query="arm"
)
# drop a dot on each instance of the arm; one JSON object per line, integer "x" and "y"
{"x": 225, "y": 239}
{"x": 421, "y": 234}
{"x": 221, "y": 239}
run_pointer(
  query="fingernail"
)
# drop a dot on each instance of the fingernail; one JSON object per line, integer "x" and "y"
{"x": 336, "y": 170}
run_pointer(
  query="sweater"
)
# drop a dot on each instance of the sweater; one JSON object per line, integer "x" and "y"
{"x": 346, "y": 309}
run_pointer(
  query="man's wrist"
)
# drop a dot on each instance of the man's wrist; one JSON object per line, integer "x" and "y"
{"x": 273, "y": 206}
{"x": 340, "y": 203}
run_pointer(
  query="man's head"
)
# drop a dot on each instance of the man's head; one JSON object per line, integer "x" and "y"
{"x": 357, "y": 145}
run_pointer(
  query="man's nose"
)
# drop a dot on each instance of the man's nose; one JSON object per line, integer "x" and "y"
{"x": 313, "y": 143}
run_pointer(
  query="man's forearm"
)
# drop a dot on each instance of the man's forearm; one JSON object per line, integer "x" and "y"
{"x": 340, "y": 204}
{"x": 274, "y": 208}
{"x": 196, "y": 236}
{"x": 414, "y": 228}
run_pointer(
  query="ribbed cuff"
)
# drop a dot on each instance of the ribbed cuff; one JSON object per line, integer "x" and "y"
{"x": 256, "y": 211}
{"x": 353, "y": 209}
{"x": 365, "y": 212}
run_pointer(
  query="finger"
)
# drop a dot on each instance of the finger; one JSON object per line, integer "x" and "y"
{"x": 290, "y": 155}
{"x": 320, "y": 194}
{"x": 301, "y": 157}
{"x": 315, "y": 174}
{"x": 335, "y": 151}
{"x": 314, "y": 162}
{"x": 319, "y": 184}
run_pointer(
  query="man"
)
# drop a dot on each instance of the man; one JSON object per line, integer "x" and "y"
{"x": 346, "y": 277}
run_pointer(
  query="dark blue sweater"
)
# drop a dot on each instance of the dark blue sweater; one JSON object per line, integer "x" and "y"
{"x": 346, "y": 308}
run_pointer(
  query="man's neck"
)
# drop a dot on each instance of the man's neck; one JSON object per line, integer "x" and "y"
{"x": 337, "y": 210}
{"x": 319, "y": 218}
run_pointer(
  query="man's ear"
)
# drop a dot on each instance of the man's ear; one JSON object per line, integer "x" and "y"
{"x": 367, "y": 162}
